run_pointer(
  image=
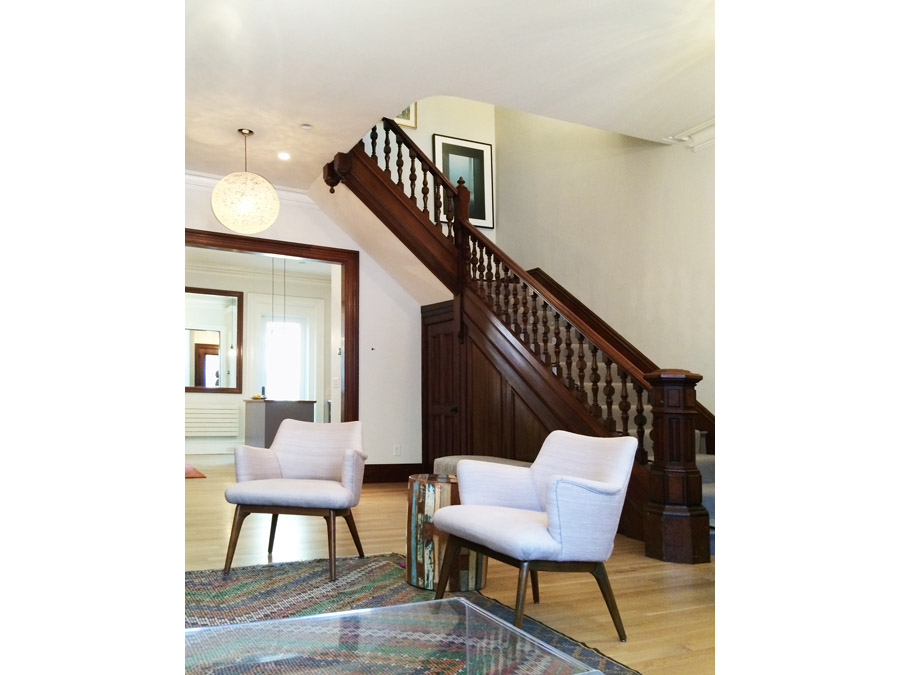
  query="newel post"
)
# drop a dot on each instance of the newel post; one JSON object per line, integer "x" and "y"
{"x": 676, "y": 524}
{"x": 461, "y": 205}
{"x": 337, "y": 170}
{"x": 461, "y": 241}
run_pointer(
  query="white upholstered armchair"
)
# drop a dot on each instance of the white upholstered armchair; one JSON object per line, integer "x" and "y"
{"x": 312, "y": 469}
{"x": 560, "y": 514}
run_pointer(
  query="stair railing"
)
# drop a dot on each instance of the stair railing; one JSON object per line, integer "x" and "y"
{"x": 611, "y": 388}
{"x": 431, "y": 191}
{"x": 608, "y": 384}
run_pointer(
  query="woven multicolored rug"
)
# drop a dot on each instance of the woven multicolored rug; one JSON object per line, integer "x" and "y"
{"x": 281, "y": 590}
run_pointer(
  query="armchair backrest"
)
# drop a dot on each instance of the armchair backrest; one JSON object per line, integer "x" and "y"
{"x": 315, "y": 450}
{"x": 608, "y": 460}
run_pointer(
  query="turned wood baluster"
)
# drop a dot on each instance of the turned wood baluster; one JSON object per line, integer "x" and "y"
{"x": 387, "y": 148}
{"x": 609, "y": 391}
{"x": 437, "y": 203}
{"x": 596, "y": 410}
{"x": 535, "y": 345}
{"x": 569, "y": 353}
{"x": 545, "y": 334}
{"x": 624, "y": 403}
{"x": 525, "y": 337}
{"x": 400, "y": 162}
{"x": 514, "y": 310}
{"x": 483, "y": 268}
{"x": 581, "y": 395}
{"x": 498, "y": 287}
{"x": 557, "y": 366}
{"x": 374, "y": 137}
{"x": 507, "y": 280}
{"x": 466, "y": 256}
{"x": 412, "y": 174}
{"x": 489, "y": 280}
{"x": 478, "y": 270}
{"x": 425, "y": 192}
{"x": 640, "y": 421}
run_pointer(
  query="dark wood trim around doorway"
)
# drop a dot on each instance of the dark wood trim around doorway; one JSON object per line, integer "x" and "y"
{"x": 349, "y": 262}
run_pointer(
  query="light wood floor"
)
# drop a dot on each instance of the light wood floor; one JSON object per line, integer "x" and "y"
{"x": 668, "y": 609}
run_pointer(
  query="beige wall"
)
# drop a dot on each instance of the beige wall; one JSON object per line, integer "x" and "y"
{"x": 626, "y": 225}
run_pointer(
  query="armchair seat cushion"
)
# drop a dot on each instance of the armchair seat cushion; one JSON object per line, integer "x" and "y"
{"x": 291, "y": 492}
{"x": 518, "y": 533}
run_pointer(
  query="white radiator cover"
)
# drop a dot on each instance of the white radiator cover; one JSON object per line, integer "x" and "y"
{"x": 218, "y": 422}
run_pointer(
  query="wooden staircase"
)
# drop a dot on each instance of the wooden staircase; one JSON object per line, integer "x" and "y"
{"x": 514, "y": 355}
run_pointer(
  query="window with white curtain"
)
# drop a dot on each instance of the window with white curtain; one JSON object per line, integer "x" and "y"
{"x": 285, "y": 362}
{"x": 286, "y": 359}
{"x": 285, "y": 349}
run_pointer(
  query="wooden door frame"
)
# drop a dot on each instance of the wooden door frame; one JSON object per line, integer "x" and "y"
{"x": 349, "y": 262}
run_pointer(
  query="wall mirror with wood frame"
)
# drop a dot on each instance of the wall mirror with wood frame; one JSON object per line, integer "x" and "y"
{"x": 213, "y": 339}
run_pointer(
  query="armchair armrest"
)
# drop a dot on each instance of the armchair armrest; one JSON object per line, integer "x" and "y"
{"x": 493, "y": 484}
{"x": 352, "y": 472}
{"x": 252, "y": 463}
{"x": 583, "y": 516}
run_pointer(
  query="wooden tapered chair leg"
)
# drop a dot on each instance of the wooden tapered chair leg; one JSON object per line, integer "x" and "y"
{"x": 535, "y": 593}
{"x": 272, "y": 532}
{"x": 606, "y": 589}
{"x": 351, "y": 525}
{"x": 239, "y": 515}
{"x": 520, "y": 593}
{"x": 450, "y": 554}
{"x": 332, "y": 551}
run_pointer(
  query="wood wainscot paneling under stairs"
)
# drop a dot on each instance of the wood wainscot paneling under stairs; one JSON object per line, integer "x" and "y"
{"x": 514, "y": 356}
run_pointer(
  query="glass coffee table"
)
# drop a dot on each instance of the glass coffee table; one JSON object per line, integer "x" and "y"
{"x": 439, "y": 636}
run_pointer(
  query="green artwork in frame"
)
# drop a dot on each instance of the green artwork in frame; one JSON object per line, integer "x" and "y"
{"x": 473, "y": 162}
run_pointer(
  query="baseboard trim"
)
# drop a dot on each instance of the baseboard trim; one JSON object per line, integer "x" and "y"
{"x": 390, "y": 473}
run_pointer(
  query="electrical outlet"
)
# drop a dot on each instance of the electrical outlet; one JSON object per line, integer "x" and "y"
{"x": 396, "y": 451}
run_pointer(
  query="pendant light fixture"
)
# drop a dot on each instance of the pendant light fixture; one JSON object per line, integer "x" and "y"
{"x": 245, "y": 202}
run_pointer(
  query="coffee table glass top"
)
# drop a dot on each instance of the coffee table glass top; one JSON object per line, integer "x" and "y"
{"x": 440, "y": 636}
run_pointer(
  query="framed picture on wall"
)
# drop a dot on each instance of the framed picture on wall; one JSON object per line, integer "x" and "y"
{"x": 407, "y": 118}
{"x": 473, "y": 162}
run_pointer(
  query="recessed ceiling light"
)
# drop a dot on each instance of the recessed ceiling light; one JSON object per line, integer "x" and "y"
{"x": 284, "y": 155}
{"x": 306, "y": 127}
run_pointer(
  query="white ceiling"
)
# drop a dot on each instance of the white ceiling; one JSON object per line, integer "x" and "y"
{"x": 644, "y": 69}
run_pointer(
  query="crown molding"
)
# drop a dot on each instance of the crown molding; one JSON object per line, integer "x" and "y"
{"x": 696, "y": 138}
{"x": 295, "y": 275}
{"x": 194, "y": 180}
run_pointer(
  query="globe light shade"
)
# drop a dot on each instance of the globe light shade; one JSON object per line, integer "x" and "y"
{"x": 245, "y": 202}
